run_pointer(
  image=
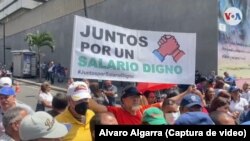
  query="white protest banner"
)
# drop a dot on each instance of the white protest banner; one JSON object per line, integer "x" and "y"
{"x": 109, "y": 52}
{"x": 234, "y": 40}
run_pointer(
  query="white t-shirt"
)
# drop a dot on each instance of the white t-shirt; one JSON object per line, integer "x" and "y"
{"x": 51, "y": 68}
{"x": 45, "y": 97}
{"x": 238, "y": 105}
{"x": 246, "y": 95}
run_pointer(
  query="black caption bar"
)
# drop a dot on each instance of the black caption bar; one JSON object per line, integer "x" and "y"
{"x": 164, "y": 132}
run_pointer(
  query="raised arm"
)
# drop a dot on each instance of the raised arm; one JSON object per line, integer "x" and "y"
{"x": 179, "y": 97}
{"x": 98, "y": 108}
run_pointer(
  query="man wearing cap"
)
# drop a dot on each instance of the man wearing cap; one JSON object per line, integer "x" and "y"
{"x": 193, "y": 101}
{"x": 190, "y": 103}
{"x": 41, "y": 126}
{"x": 77, "y": 113}
{"x": 8, "y": 100}
{"x": 5, "y": 81}
{"x": 130, "y": 112}
{"x": 194, "y": 118}
{"x": 192, "y": 113}
{"x": 237, "y": 103}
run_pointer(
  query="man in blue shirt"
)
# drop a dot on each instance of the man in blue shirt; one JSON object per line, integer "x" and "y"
{"x": 229, "y": 79}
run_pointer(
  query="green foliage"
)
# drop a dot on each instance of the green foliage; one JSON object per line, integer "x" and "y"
{"x": 40, "y": 40}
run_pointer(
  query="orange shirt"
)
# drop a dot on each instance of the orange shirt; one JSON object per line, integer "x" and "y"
{"x": 125, "y": 118}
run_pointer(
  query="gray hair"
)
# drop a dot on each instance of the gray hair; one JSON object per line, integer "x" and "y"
{"x": 12, "y": 115}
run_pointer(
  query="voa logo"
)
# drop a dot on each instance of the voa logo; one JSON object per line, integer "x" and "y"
{"x": 233, "y": 16}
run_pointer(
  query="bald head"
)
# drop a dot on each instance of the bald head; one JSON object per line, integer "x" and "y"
{"x": 106, "y": 118}
{"x": 222, "y": 118}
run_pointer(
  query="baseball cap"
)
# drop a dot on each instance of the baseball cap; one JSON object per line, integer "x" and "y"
{"x": 78, "y": 90}
{"x": 8, "y": 91}
{"x": 130, "y": 91}
{"x": 154, "y": 116}
{"x": 245, "y": 123}
{"x": 41, "y": 125}
{"x": 233, "y": 89}
{"x": 191, "y": 100}
{"x": 5, "y": 81}
{"x": 194, "y": 118}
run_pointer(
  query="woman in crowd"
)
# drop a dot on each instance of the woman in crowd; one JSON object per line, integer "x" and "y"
{"x": 220, "y": 104}
{"x": 171, "y": 110}
{"x": 237, "y": 104}
{"x": 45, "y": 97}
{"x": 209, "y": 96}
{"x": 151, "y": 97}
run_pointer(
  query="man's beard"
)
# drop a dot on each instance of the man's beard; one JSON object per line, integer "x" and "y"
{"x": 135, "y": 107}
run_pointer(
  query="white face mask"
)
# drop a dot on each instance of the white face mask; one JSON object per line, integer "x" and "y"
{"x": 172, "y": 117}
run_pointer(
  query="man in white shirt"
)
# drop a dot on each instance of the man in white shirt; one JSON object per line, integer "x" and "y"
{"x": 51, "y": 72}
{"x": 237, "y": 104}
{"x": 246, "y": 91}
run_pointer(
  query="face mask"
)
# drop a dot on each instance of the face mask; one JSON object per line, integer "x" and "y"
{"x": 81, "y": 108}
{"x": 172, "y": 117}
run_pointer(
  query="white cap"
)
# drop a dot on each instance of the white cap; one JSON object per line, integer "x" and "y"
{"x": 41, "y": 125}
{"x": 5, "y": 81}
{"x": 78, "y": 90}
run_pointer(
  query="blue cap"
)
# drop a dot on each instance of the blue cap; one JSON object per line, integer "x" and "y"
{"x": 8, "y": 91}
{"x": 245, "y": 123}
{"x": 233, "y": 89}
{"x": 130, "y": 91}
{"x": 191, "y": 100}
{"x": 194, "y": 118}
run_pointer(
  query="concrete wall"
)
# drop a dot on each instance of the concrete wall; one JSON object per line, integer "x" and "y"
{"x": 193, "y": 16}
{"x": 55, "y": 16}
{"x": 8, "y": 7}
{"x": 46, "y": 12}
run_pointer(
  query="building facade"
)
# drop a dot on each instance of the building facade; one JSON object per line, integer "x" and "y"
{"x": 56, "y": 17}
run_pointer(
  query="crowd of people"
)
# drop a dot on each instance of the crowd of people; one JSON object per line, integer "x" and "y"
{"x": 213, "y": 100}
{"x": 52, "y": 72}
